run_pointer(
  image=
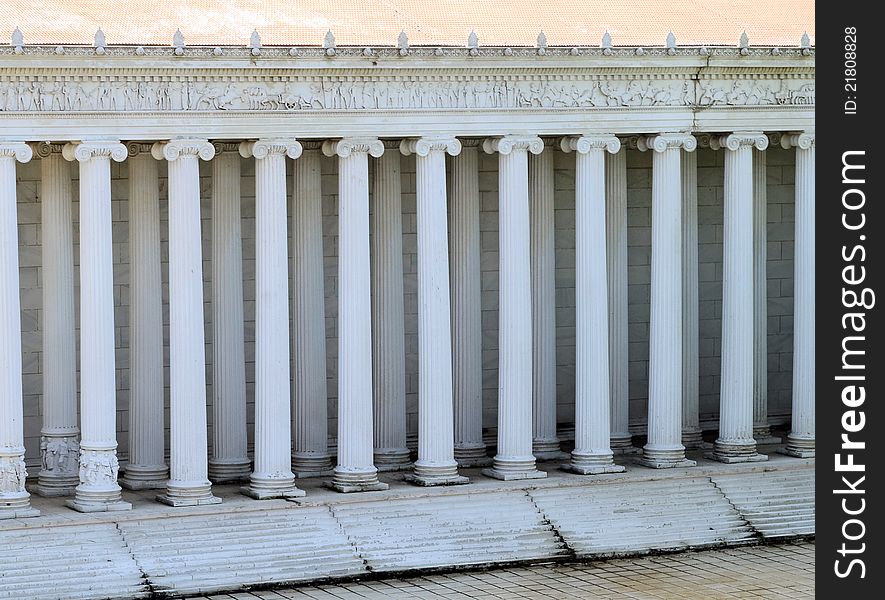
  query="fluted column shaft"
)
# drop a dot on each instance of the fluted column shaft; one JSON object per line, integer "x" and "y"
{"x": 735, "y": 442}
{"x": 470, "y": 450}
{"x": 272, "y": 477}
{"x": 592, "y": 453}
{"x": 147, "y": 464}
{"x": 229, "y": 461}
{"x": 98, "y": 489}
{"x": 761, "y": 429}
{"x": 14, "y": 498}
{"x": 514, "y": 459}
{"x": 545, "y": 444}
{"x": 436, "y": 454}
{"x": 310, "y": 453}
{"x": 800, "y": 441}
{"x": 388, "y": 320}
{"x": 189, "y": 483}
{"x": 664, "y": 448}
{"x": 355, "y": 471}
{"x": 59, "y": 435}
{"x": 691, "y": 427}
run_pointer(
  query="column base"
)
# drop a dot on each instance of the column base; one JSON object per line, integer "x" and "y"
{"x": 799, "y": 447}
{"x": 692, "y": 439}
{"x": 664, "y": 458}
{"x": 434, "y": 480}
{"x": 796, "y": 452}
{"x": 654, "y": 463}
{"x": 142, "y": 484}
{"x": 18, "y": 513}
{"x": 137, "y": 477}
{"x": 197, "y": 495}
{"x": 392, "y": 459}
{"x": 496, "y": 473}
{"x": 622, "y": 443}
{"x": 52, "y": 487}
{"x": 351, "y": 480}
{"x": 592, "y": 469}
{"x": 312, "y": 464}
{"x": 738, "y": 451}
{"x": 762, "y": 435}
{"x": 229, "y": 470}
{"x": 348, "y": 488}
{"x": 270, "y": 494}
{"x": 92, "y": 507}
{"x": 548, "y": 449}
{"x": 727, "y": 459}
{"x": 472, "y": 456}
{"x": 514, "y": 468}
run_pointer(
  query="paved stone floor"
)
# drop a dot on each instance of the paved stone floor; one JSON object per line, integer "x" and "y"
{"x": 766, "y": 572}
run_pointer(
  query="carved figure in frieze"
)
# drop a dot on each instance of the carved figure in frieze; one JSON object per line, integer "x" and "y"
{"x": 737, "y": 95}
{"x": 12, "y": 475}
{"x": 316, "y": 98}
{"x": 98, "y": 467}
{"x": 612, "y": 98}
{"x": 804, "y": 95}
{"x": 59, "y": 454}
{"x": 164, "y": 100}
{"x": 760, "y": 93}
{"x": 26, "y": 94}
{"x": 710, "y": 94}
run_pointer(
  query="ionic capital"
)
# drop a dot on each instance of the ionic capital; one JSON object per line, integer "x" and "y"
{"x": 741, "y": 138}
{"x": 266, "y": 147}
{"x": 803, "y": 141}
{"x": 425, "y": 145}
{"x": 667, "y": 141}
{"x": 346, "y": 146}
{"x": 175, "y": 149}
{"x": 136, "y": 148}
{"x": 585, "y": 143}
{"x": 85, "y": 151}
{"x": 46, "y": 149}
{"x": 222, "y": 147}
{"x": 508, "y": 143}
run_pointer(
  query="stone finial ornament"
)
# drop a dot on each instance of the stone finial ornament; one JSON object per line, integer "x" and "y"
{"x": 402, "y": 42}
{"x": 473, "y": 43}
{"x": 59, "y": 49}
{"x": 542, "y": 40}
{"x": 671, "y": 44}
{"x": 744, "y": 44}
{"x": 255, "y": 43}
{"x": 178, "y": 42}
{"x": 329, "y": 43}
{"x": 606, "y": 43}
{"x": 99, "y": 42}
{"x": 805, "y": 44}
{"x": 18, "y": 40}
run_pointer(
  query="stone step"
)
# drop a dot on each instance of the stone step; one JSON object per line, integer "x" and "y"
{"x": 775, "y": 503}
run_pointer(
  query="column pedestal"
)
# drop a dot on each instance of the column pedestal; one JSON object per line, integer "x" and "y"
{"x": 98, "y": 490}
{"x": 735, "y": 442}
{"x": 664, "y": 448}
{"x": 514, "y": 459}
{"x": 188, "y": 483}
{"x": 355, "y": 471}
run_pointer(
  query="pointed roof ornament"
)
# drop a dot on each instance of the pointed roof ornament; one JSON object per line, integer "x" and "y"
{"x": 671, "y": 40}
{"x": 542, "y": 40}
{"x": 805, "y": 42}
{"x": 402, "y": 42}
{"x": 329, "y": 43}
{"x": 178, "y": 42}
{"x": 99, "y": 42}
{"x": 18, "y": 39}
{"x": 744, "y": 41}
{"x": 255, "y": 43}
{"x": 473, "y": 43}
{"x": 606, "y": 43}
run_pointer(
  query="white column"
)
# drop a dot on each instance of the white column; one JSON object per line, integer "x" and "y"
{"x": 147, "y": 463}
{"x": 60, "y": 434}
{"x": 436, "y": 450}
{"x": 545, "y": 444}
{"x": 592, "y": 454}
{"x": 691, "y": 426}
{"x": 272, "y": 477}
{"x": 98, "y": 490}
{"x": 310, "y": 453}
{"x": 616, "y": 273}
{"x": 354, "y": 471}
{"x": 470, "y": 450}
{"x": 735, "y": 442}
{"x": 514, "y": 459}
{"x": 188, "y": 483}
{"x": 800, "y": 441}
{"x": 761, "y": 428}
{"x": 229, "y": 461}
{"x": 14, "y": 498}
{"x": 388, "y": 320}
{"x": 664, "y": 448}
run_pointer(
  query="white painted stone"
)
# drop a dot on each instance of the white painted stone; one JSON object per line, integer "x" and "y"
{"x": 60, "y": 434}
{"x": 592, "y": 454}
{"x": 664, "y": 448}
{"x": 310, "y": 452}
{"x": 800, "y": 441}
{"x": 735, "y": 442}
{"x": 470, "y": 450}
{"x": 272, "y": 477}
{"x": 545, "y": 444}
{"x": 146, "y": 468}
{"x": 14, "y": 498}
{"x": 188, "y": 483}
{"x": 514, "y": 459}
{"x": 355, "y": 471}
{"x": 436, "y": 452}
{"x": 98, "y": 489}
{"x": 388, "y": 319}
{"x": 691, "y": 427}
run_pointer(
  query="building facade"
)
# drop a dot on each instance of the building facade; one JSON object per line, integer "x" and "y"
{"x": 261, "y": 263}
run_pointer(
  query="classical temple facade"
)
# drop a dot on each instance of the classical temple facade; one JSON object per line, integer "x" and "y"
{"x": 262, "y": 262}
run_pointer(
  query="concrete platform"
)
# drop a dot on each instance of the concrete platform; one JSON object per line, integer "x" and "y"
{"x": 241, "y": 543}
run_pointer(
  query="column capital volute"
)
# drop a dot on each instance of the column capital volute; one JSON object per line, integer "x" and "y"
{"x": 87, "y": 150}
{"x": 222, "y": 147}
{"x": 133, "y": 149}
{"x": 46, "y": 149}
{"x": 263, "y": 148}
{"x": 423, "y": 146}
{"x": 667, "y": 141}
{"x": 506, "y": 144}
{"x": 734, "y": 141}
{"x": 346, "y": 146}
{"x": 582, "y": 144}
{"x": 175, "y": 149}
{"x": 803, "y": 140}
{"x": 19, "y": 151}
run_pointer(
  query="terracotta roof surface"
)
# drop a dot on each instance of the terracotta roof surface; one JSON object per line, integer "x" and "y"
{"x": 426, "y": 22}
